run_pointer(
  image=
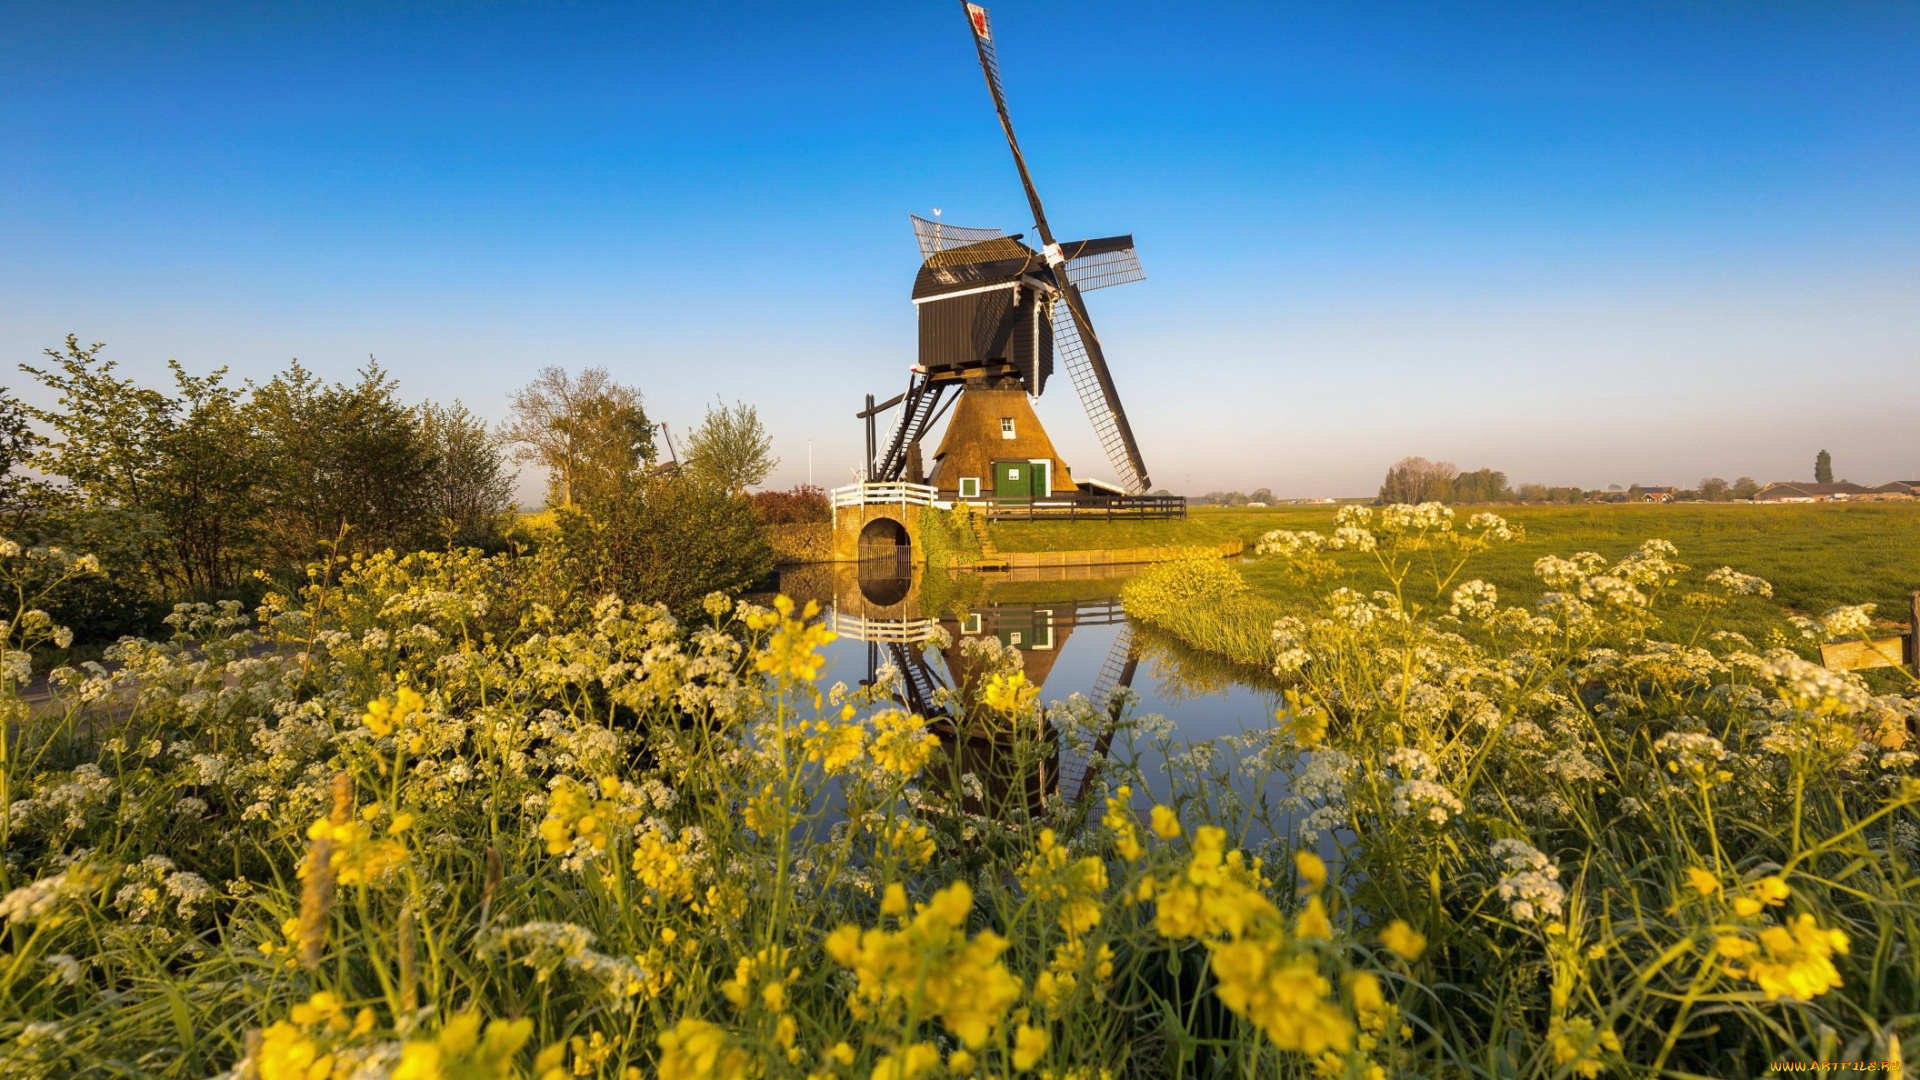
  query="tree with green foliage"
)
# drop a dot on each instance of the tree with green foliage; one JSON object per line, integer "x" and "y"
{"x": 182, "y": 472}
{"x": 666, "y": 539}
{"x": 1746, "y": 488}
{"x": 469, "y": 486}
{"x": 1823, "y": 468}
{"x": 347, "y": 464}
{"x": 1714, "y": 489}
{"x": 1479, "y": 486}
{"x": 210, "y": 490}
{"x": 108, "y": 432}
{"x": 587, "y": 431}
{"x": 730, "y": 448}
{"x": 22, "y": 497}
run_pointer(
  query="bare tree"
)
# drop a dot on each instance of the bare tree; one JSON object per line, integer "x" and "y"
{"x": 1416, "y": 480}
{"x": 729, "y": 448}
{"x": 582, "y": 429}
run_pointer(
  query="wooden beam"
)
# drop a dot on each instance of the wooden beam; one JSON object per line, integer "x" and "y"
{"x": 875, "y": 410}
{"x": 1861, "y": 655}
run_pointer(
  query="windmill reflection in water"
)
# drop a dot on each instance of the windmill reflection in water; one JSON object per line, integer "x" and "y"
{"x": 941, "y": 659}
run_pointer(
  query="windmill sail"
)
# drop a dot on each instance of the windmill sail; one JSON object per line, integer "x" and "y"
{"x": 937, "y": 238}
{"x": 1095, "y": 387}
{"x": 1096, "y": 264}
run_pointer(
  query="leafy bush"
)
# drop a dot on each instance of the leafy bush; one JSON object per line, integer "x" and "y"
{"x": 947, "y": 538}
{"x": 666, "y": 539}
{"x": 798, "y": 505}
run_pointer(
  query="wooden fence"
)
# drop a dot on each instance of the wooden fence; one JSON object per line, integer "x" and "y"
{"x": 1079, "y": 507}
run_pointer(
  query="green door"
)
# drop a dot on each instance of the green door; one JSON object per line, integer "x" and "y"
{"x": 1019, "y": 479}
{"x": 1012, "y": 479}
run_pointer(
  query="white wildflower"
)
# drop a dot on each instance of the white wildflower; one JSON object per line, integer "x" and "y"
{"x": 1425, "y": 799}
{"x": 1734, "y": 583}
{"x": 1475, "y": 600}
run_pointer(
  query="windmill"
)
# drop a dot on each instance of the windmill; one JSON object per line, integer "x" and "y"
{"x": 994, "y": 312}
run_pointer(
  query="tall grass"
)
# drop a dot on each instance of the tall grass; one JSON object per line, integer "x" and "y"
{"x": 1207, "y": 604}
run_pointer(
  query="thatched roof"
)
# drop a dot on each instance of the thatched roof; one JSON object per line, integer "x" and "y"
{"x": 973, "y": 441}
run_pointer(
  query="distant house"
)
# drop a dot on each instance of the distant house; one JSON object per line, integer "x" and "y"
{"x": 1899, "y": 489}
{"x": 1658, "y": 494}
{"x": 1797, "y": 492}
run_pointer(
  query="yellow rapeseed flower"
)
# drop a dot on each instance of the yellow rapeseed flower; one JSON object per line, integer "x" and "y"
{"x": 1029, "y": 1046}
{"x": 1048, "y": 874}
{"x": 1301, "y": 720}
{"x": 901, "y": 744}
{"x": 354, "y": 856}
{"x": 913, "y": 843}
{"x": 1312, "y": 923}
{"x": 1771, "y": 891}
{"x": 1165, "y": 823}
{"x": 385, "y": 714}
{"x": 767, "y": 970}
{"x": 1287, "y": 999}
{"x": 288, "y": 1053}
{"x": 697, "y": 1050}
{"x": 1311, "y": 869}
{"x": 1403, "y": 939}
{"x": 1010, "y": 694}
{"x": 462, "y": 1050}
{"x": 1369, "y": 1001}
{"x": 665, "y": 867}
{"x": 836, "y": 746}
{"x": 1704, "y": 882}
{"x": 1579, "y": 1044}
{"x": 1792, "y": 961}
{"x": 914, "y": 1061}
{"x": 1120, "y": 821}
{"x": 793, "y": 651}
{"x": 930, "y": 967}
{"x": 1217, "y": 894}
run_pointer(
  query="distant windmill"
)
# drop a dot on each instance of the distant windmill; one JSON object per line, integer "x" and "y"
{"x": 993, "y": 313}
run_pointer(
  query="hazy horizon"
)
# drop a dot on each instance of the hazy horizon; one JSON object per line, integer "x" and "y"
{"x": 1581, "y": 244}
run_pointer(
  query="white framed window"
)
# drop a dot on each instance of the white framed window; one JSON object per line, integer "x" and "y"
{"x": 969, "y": 487}
{"x": 1006, "y": 427}
{"x": 972, "y": 623}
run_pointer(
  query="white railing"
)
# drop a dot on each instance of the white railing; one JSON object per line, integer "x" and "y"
{"x": 893, "y": 494}
{"x": 906, "y": 631}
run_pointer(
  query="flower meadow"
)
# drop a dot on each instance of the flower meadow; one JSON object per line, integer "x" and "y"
{"x": 449, "y": 815}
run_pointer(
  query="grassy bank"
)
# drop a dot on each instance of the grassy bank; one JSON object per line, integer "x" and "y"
{"x": 1816, "y": 556}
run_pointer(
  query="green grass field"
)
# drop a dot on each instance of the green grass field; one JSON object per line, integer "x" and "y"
{"x": 1816, "y": 555}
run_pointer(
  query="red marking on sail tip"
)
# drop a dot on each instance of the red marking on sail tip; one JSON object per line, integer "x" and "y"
{"x": 978, "y": 16}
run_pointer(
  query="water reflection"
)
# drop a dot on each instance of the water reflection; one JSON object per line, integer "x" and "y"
{"x": 1073, "y": 636}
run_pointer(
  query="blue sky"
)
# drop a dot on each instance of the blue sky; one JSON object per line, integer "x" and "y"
{"x": 1582, "y": 243}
